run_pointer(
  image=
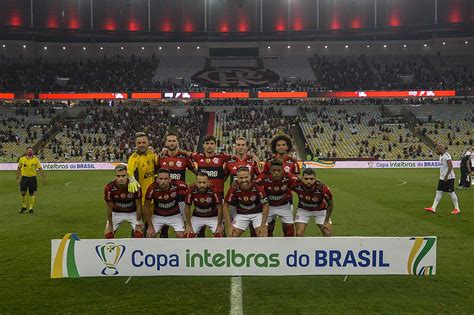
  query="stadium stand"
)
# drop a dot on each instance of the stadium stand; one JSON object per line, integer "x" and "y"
{"x": 105, "y": 74}
{"x": 257, "y": 125}
{"x": 452, "y": 125}
{"x": 358, "y": 132}
{"x": 107, "y": 134}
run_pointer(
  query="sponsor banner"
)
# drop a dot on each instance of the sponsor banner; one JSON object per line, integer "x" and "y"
{"x": 311, "y": 164}
{"x": 290, "y": 94}
{"x": 73, "y": 258}
{"x": 7, "y": 96}
{"x": 145, "y": 95}
{"x": 375, "y": 164}
{"x": 64, "y": 166}
{"x": 219, "y": 95}
{"x": 387, "y": 94}
{"x": 81, "y": 96}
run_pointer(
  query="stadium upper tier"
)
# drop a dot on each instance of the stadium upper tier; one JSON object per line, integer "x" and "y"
{"x": 198, "y": 73}
{"x": 322, "y": 129}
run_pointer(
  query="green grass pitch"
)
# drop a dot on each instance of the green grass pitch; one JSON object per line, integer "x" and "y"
{"x": 367, "y": 203}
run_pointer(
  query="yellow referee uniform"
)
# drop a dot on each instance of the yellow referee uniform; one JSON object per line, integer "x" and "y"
{"x": 142, "y": 167}
{"x": 29, "y": 166}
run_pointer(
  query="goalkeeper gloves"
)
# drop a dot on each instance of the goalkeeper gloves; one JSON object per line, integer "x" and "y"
{"x": 133, "y": 185}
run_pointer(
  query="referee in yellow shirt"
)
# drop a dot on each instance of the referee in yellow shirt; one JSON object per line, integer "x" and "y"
{"x": 26, "y": 177}
{"x": 141, "y": 166}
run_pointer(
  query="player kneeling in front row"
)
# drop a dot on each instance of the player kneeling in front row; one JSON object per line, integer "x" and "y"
{"x": 122, "y": 205}
{"x": 315, "y": 201}
{"x": 277, "y": 187}
{"x": 207, "y": 208}
{"x": 251, "y": 205}
{"x": 165, "y": 194}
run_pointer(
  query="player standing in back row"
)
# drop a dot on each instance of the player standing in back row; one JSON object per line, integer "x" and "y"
{"x": 281, "y": 147}
{"x": 446, "y": 180}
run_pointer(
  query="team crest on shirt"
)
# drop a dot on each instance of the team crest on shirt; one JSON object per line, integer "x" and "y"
{"x": 166, "y": 197}
{"x": 307, "y": 198}
{"x": 270, "y": 188}
{"x": 202, "y": 200}
{"x": 171, "y": 163}
{"x": 277, "y": 188}
{"x": 122, "y": 196}
{"x": 208, "y": 161}
{"x": 215, "y": 160}
{"x": 246, "y": 198}
{"x": 179, "y": 164}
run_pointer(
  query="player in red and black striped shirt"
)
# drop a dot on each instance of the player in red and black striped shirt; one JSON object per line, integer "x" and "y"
{"x": 277, "y": 187}
{"x": 251, "y": 203}
{"x": 207, "y": 207}
{"x": 177, "y": 162}
{"x": 281, "y": 146}
{"x": 241, "y": 158}
{"x": 122, "y": 205}
{"x": 315, "y": 201}
{"x": 165, "y": 194}
{"x": 212, "y": 164}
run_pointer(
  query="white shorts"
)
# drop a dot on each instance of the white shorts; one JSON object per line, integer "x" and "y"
{"x": 174, "y": 221}
{"x": 119, "y": 217}
{"x": 198, "y": 223}
{"x": 304, "y": 216}
{"x": 285, "y": 212}
{"x": 242, "y": 221}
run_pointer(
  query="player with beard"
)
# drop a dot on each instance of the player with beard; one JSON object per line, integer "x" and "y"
{"x": 315, "y": 201}
{"x": 177, "y": 162}
{"x": 251, "y": 204}
{"x": 241, "y": 158}
{"x": 277, "y": 187}
{"x": 207, "y": 208}
{"x": 281, "y": 146}
{"x": 122, "y": 205}
{"x": 165, "y": 194}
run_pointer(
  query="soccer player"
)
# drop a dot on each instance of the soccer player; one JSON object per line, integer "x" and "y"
{"x": 315, "y": 201}
{"x": 122, "y": 205}
{"x": 207, "y": 208}
{"x": 281, "y": 146}
{"x": 277, "y": 187}
{"x": 212, "y": 163}
{"x": 241, "y": 158}
{"x": 26, "y": 178}
{"x": 165, "y": 193}
{"x": 177, "y": 162}
{"x": 446, "y": 180}
{"x": 141, "y": 167}
{"x": 466, "y": 169}
{"x": 251, "y": 203}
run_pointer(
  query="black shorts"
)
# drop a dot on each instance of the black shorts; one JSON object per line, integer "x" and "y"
{"x": 446, "y": 186}
{"x": 28, "y": 184}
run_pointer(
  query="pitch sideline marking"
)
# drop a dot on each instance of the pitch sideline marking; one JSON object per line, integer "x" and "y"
{"x": 128, "y": 280}
{"x": 236, "y": 307}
